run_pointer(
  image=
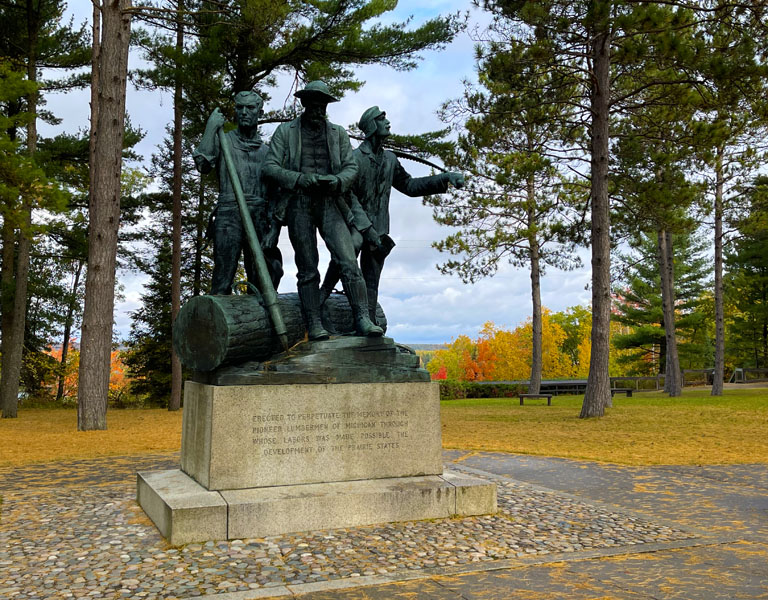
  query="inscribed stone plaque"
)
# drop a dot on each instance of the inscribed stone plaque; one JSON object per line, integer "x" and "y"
{"x": 237, "y": 437}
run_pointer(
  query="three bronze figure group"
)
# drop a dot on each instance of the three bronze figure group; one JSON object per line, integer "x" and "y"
{"x": 309, "y": 179}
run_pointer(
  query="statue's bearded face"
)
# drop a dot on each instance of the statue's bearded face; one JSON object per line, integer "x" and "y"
{"x": 314, "y": 108}
{"x": 247, "y": 113}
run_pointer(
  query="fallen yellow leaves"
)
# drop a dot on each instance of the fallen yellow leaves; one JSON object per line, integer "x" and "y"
{"x": 648, "y": 429}
{"x": 44, "y": 435}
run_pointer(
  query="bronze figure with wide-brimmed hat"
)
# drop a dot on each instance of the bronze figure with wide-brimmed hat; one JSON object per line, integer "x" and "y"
{"x": 316, "y": 89}
{"x": 311, "y": 161}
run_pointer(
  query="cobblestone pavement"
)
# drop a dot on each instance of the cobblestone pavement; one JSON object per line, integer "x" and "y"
{"x": 73, "y": 530}
{"x": 728, "y": 505}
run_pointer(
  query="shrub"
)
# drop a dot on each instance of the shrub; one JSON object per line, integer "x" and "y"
{"x": 456, "y": 390}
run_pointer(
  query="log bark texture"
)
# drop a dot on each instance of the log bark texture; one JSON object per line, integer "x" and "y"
{"x": 215, "y": 331}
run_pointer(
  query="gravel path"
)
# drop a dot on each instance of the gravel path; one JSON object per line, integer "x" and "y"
{"x": 73, "y": 530}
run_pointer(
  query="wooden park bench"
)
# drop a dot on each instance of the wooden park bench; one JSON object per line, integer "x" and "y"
{"x": 627, "y": 391}
{"x": 547, "y": 396}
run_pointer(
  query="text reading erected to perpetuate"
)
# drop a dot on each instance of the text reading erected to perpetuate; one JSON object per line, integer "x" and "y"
{"x": 279, "y": 434}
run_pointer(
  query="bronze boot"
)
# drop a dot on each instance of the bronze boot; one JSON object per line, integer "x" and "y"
{"x": 310, "y": 303}
{"x": 358, "y": 300}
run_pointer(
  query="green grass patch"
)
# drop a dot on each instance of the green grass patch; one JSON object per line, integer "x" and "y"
{"x": 649, "y": 428}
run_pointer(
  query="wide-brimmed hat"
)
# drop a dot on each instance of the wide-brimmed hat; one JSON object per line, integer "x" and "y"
{"x": 317, "y": 89}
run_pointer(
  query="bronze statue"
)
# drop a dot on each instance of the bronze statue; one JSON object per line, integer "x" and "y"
{"x": 312, "y": 162}
{"x": 379, "y": 171}
{"x": 248, "y": 153}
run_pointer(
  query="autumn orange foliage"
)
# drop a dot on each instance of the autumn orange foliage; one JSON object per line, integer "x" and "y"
{"x": 502, "y": 355}
{"x": 118, "y": 379}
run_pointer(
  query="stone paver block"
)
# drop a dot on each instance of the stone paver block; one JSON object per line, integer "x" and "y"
{"x": 181, "y": 509}
{"x": 474, "y": 496}
{"x": 262, "y": 512}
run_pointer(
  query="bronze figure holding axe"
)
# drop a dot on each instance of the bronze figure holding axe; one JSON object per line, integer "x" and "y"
{"x": 242, "y": 215}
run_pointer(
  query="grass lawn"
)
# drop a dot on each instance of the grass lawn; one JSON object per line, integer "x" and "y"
{"x": 646, "y": 429}
{"x": 44, "y": 435}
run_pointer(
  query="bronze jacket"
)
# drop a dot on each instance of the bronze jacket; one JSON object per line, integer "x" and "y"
{"x": 378, "y": 173}
{"x": 283, "y": 161}
{"x": 249, "y": 160}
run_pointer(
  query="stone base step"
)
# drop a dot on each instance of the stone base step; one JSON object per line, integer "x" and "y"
{"x": 185, "y": 512}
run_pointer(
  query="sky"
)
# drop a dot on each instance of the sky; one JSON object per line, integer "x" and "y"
{"x": 422, "y": 305}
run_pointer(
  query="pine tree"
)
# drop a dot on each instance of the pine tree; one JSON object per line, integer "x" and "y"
{"x": 734, "y": 105}
{"x": 638, "y": 305}
{"x": 109, "y": 66}
{"x": 515, "y": 206}
{"x": 653, "y": 157}
{"x": 32, "y": 36}
{"x": 149, "y": 356}
{"x": 746, "y": 283}
{"x": 617, "y": 56}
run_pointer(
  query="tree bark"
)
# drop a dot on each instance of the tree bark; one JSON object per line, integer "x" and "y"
{"x": 11, "y": 371}
{"x": 68, "y": 330}
{"x": 104, "y": 213}
{"x": 672, "y": 376}
{"x": 598, "y": 393}
{"x": 719, "y": 374}
{"x": 175, "y": 401}
{"x": 536, "y": 325}
{"x": 763, "y": 331}
{"x": 14, "y": 325}
{"x": 212, "y": 331}
{"x": 9, "y": 399}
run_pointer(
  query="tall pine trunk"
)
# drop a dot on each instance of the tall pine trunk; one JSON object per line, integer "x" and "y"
{"x": 719, "y": 374}
{"x": 13, "y": 337}
{"x": 175, "y": 400}
{"x": 16, "y": 287}
{"x": 536, "y": 326}
{"x": 110, "y": 74}
{"x": 673, "y": 384}
{"x": 598, "y": 393}
{"x": 9, "y": 404}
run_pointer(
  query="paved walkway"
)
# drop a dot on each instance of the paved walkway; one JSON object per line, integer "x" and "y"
{"x": 568, "y": 529}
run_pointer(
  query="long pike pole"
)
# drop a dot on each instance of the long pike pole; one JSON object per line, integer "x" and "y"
{"x": 265, "y": 283}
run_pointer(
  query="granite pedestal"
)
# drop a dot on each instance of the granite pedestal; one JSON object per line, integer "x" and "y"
{"x": 262, "y": 460}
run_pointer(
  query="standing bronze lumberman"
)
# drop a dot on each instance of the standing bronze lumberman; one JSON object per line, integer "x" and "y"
{"x": 248, "y": 153}
{"x": 379, "y": 171}
{"x": 311, "y": 160}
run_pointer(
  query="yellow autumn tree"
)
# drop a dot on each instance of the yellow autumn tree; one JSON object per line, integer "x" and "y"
{"x": 512, "y": 350}
{"x": 511, "y": 356}
{"x": 455, "y": 359}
